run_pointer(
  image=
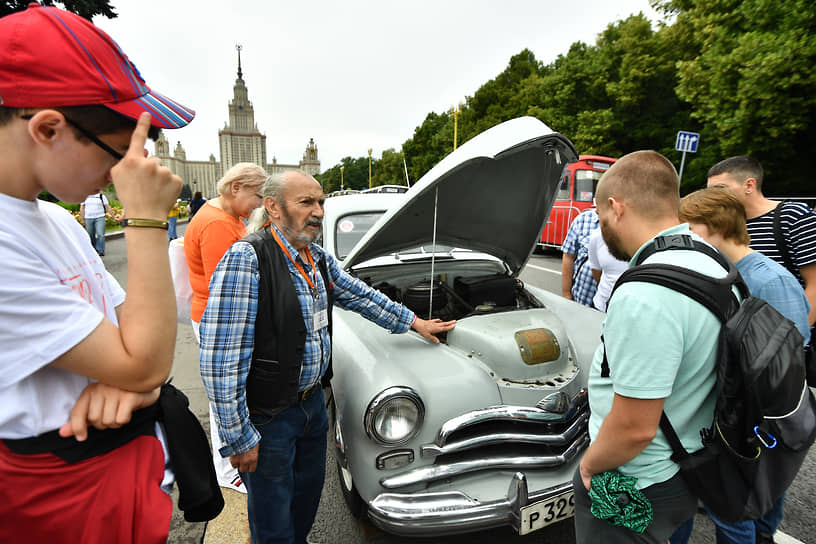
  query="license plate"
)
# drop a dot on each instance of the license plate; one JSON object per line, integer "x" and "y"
{"x": 542, "y": 513}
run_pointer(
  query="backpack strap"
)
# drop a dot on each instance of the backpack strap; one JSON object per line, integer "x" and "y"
{"x": 713, "y": 293}
{"x": 671, "y": 436}
{"x": 780, "y": 240}
{"x": 579, "y": 264}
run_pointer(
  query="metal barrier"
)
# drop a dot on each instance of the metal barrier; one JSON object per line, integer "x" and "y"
{"x": 557, "y": 225}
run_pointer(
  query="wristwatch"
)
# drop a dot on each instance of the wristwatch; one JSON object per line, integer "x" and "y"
{"x": 149, "y": 223}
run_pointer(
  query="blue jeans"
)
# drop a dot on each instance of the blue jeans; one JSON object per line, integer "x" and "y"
{"x": 742, "y": 532}
{"x": 284, "y": 491}
{"x": 171, "y": 229}
{"x": 771, "y": 519}
{"x": 96, "y": 230}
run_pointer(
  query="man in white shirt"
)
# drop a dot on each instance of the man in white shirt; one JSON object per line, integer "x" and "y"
{"x": 605, "y": 269}
{"x": 92, "y": 212}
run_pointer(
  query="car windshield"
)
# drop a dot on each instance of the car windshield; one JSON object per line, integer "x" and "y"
{"x": 350, "y": 230}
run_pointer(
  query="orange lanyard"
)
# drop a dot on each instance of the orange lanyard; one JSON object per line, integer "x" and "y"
{"x": 294, "y": 262}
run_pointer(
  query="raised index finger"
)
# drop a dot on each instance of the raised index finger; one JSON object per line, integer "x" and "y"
{"x": 139, "y": 136}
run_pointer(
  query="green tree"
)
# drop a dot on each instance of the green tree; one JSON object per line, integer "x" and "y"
{"x": 751, "y": 82}
{"x": 84, "y": 8}
{"x": 432, "y": 141}
{"x": 389, "y": 169}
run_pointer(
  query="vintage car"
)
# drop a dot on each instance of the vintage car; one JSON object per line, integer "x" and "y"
{"x": 486, "y": 428}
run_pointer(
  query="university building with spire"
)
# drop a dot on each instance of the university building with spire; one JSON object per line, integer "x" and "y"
{"x": 239, "y": 141}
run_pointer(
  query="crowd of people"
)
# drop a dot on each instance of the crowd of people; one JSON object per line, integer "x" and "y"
{"x": 83, "y": 422}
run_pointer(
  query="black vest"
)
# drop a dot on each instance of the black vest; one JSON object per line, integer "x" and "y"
{"x": 280, "y": 333}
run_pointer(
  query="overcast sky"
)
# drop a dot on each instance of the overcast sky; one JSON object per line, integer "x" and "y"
{"x": 353, "y": 75}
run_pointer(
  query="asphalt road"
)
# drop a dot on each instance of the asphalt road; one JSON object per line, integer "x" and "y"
{"x": 334, "y": 524}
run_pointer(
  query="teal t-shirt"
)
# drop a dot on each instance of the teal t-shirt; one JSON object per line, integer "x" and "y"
{"x": 659, "y": 344}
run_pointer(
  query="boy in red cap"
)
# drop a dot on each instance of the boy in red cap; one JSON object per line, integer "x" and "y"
{"x": 79, "y": 355}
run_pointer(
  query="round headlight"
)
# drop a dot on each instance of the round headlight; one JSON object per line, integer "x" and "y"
{"x": 394, "y": 416}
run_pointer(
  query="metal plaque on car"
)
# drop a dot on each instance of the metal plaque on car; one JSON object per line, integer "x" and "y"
{"x": 537, "y": 346}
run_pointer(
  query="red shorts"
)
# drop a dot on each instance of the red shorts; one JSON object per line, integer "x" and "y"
{"x": 115, "y": 497}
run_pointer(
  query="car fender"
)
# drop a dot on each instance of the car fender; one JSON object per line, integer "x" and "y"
{"x": 370, "y": 360}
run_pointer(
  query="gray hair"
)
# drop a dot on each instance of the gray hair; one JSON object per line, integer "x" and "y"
{"x": 245, "y": 173}
{"x": 273, "y": 188}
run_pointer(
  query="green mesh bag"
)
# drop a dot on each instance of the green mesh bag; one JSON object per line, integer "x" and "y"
{"x": 616, "y": 500}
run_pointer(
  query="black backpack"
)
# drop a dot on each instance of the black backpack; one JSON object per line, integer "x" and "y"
{"x": 765, "y": 415}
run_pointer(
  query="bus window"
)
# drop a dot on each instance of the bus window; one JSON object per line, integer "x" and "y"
{"x": 563, "y": 189}
{"x": 585, "y": 183}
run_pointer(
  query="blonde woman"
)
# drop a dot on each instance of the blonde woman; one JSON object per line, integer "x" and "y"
{"x": 213, "y": 229}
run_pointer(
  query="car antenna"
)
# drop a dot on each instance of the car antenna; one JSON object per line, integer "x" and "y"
{"x": 404, "y": 165}
{"x": 433, "y": 253}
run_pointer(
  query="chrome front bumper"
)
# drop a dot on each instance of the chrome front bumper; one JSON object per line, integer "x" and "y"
{"x": 421, "y": 514}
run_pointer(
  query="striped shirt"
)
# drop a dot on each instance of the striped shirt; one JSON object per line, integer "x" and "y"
{"x": 228, "y": 330}
{"x": 798, "y": 225}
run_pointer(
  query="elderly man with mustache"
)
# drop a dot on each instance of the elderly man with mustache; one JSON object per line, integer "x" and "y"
{"x": 266, "y": 348}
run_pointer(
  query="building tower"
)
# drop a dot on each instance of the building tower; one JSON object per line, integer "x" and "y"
{"x": 310, "y": 163}
{"x": 240, "y": 140}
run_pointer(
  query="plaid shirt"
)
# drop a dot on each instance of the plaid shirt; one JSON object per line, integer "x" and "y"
{"x": 228, "y": 331}
{"x": 577, "y": 243}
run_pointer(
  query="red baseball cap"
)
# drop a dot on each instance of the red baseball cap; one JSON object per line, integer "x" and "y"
{"x": 51, "y": 58}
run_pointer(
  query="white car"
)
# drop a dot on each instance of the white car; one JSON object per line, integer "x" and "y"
{"x": 485, "y": 429}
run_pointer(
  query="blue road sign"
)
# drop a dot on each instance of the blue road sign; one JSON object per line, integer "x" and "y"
{"x": 687, "y": 141}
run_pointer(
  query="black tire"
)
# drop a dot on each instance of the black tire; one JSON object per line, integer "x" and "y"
{"x": 353, "y": 500}
{"x": 355, "y": 503}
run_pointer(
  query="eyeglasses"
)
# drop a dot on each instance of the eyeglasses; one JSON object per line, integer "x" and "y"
{"x": 88, "y": 134}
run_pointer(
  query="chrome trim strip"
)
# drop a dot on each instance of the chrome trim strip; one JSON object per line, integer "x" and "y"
{"x": 510, "y": 413}
{"x": 432, "y": 450}
{"x": 430, "y": 473}
{"x": 434, "y": 514}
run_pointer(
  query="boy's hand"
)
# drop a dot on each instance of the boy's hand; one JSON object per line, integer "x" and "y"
{"x": 146, "y": 189}
{"x": 104, "y": 407}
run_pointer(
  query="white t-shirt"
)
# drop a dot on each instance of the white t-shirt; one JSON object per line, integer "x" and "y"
{"x": 611, "y": 268}
{"x": 54, "y": 293}
{"x": 95, "y": 206}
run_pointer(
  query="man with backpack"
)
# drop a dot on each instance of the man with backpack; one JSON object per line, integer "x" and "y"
{"x": 658, "y": 354}
{"x": 784, "y": 231}
{"x": 718, "y": 216}
{"x": 92, "y": 215}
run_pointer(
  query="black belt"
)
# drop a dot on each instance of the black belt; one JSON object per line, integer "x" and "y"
{"x": 301, "y": 396}
{"x": 99, "y": 442}
{"x": 306, "y": 393}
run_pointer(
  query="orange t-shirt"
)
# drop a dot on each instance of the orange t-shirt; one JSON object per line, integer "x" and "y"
{"x": 208, "y": 236}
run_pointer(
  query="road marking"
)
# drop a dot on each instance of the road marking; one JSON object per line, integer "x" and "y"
{"x": 782, "y": 538}
{"x": 558, "y": 272}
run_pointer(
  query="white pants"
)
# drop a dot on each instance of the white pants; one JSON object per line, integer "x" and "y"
{"x": 227, "y": 475}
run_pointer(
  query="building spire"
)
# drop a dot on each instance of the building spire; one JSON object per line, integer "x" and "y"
{"x": 238, "y": 48}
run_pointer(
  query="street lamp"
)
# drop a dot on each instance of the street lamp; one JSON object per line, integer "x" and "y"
{"x": 341, "y": 177}
{"x": 369, "y": 168}
{"x": 455, "y": 112}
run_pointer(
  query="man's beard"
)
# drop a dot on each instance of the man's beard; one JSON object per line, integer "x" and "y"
{"x": 302, "y": 235}
{"x": 613, "y": 243}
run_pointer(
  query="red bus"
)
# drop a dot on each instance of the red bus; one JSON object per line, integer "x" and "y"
{"x": 575, "y": 194}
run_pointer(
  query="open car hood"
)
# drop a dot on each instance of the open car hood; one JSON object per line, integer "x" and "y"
{"x": 492, "y": 195}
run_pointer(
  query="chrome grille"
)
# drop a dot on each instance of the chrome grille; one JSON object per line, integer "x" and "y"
{"x": 503, "y": 437}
